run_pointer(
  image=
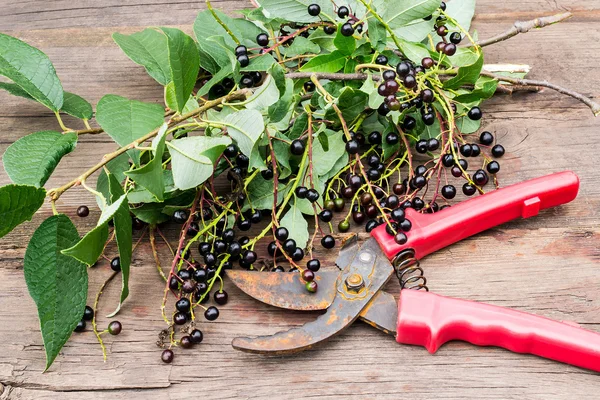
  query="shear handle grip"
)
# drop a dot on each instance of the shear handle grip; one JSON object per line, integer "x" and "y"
{"x": 430, "y": 320}
{"x": 431, "y": 232}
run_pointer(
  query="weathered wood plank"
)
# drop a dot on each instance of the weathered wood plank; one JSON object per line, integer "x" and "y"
{"x": 546, "y": 265}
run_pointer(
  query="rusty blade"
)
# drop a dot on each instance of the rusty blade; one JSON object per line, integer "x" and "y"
{"x": 286, "y": 289}
{"x": 382, "y": 313}
{"x": 359, "y": 282}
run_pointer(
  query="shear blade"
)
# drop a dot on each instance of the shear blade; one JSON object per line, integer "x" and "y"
{"x": 286, "y": 289}
{"x": 368, "y": 263}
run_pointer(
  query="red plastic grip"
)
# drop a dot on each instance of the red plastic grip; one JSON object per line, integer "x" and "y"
{"x": 430, "y": 320}
{"x": 431, "y": 232}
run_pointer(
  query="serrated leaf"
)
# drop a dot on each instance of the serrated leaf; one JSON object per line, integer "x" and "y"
{"x": 32, "y": 159}
{"x": 264, "y": 96}
{"x": 18, "y": 203}
{"x": 156, "y": 213}
{"x": 149, "y": 49}
{"x": 184, "y": 62}
{"x": 345, "y": 44}
{"x": 406, "y": 11}
{"x": 90, "y": 247}
{"x": 331, "y": 62}
{"x": 245, "y": 127}
{"x": 127, "y": 120}
{"x": 58, "y": 284}
{"x": 123, "y": 230}
{"x": 466, "y": 75}
{"x": 150, "y": 175}
{"x": 296, "y": 225}
{"x": 32, "y": 70}
{"x": 77, "y": 106}
{"x": 193, "y": 158}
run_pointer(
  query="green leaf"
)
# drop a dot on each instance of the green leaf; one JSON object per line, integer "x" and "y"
{"x": 300, "y": 126}
{"x": 149, "y": 49}
{"x": 345, "y": 44}
{"x": 281, "y": 108}
{"x": 466, "y": 75}
{"x": 261, "y": 194}
{"x": 351, "y": 103}
{"x": 294, "y": 10}
{"x": 301, "y": 45}
{"x": 15, "y": 90}
{"x": 32, "y": 70}
{"x": 462, "y": 11}
{"x": 264, "y": 96}
{"x": 405, "y": 11}
{"x": 466, "y": 125}
{"x": 18, "y": 203}
{"x": 127, "y": 120}
{"x": 414, "y": 51}
{"x": 32, "y": 159}
{"x": 217, "y": 78}
{"x": 156, "y": 213}
{"x": 150, "y": 175}
{"x": 260, "y": 63}
{"x": 123, "y": 229}
{"x": 184, "y": 62}
{"x": 377, "y": 34}
{"x": 297, "y": 226}
{"x": 414, "y": 31}
{"x": 57, "y": 284}
{"x": 213, "y": 56}
{"x": 464, "y": 56}
{"x": 117, "y": 167}
{"x": 326, "y": 159}
{"x": 193, "y": 158}
{"x": 245, "y": 127}
{"x": 73, "y": 104}
{"x": 485, "y": 88}
{"x": 77, "y": 106}
{"x": 88, "y": 249}
{"x": 370, "y": 89}
{"x": 331, "y": 62}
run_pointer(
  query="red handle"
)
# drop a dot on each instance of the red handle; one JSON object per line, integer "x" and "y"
{"x": 431, "y": 232}
{"x": 430, "y": 320}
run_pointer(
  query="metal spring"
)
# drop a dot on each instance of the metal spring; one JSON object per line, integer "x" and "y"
{"x": 409, "y": 272}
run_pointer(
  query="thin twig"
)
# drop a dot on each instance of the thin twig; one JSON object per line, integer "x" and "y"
{"x": 595, "y": 107}
{"x": 155, "y": 253}
{"x": 96, "y": 301}
{"x": 330, "y": 76}
{"x": 54, "y": 194}
{"x": 524, "y": 27}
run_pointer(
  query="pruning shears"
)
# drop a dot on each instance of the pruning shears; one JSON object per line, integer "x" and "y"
{"x": 355, "y": 291}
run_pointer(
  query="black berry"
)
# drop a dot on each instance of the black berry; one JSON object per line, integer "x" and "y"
{"x": 115, "y": 264}
{"x": 167, "y": 356}
{"x": 211, "y": 313}
{"x": 297, "y": 147}
{"x": 314, "y": 10}
{"x": 343, "y": 12}
{"x": 328, "y": 242}
{"x": 83, "y": 211}
{"x": 262, "y": 39}
{"x": 115, "y": 327}
{"x": 498, "y": 151}
{"x": 493, "y": 167}
{"x": 196, "y": 336}
{"x": 475, "y": 114}
{"x": 448, "y": 192}
{"x": 221, "y": 297}
{"x": 347, "y": 29}
{"x": 180, "y": 216}
{"x": 314, "y": 265}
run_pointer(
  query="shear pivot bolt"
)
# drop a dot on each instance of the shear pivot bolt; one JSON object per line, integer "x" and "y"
{"x": 354, "y": 283}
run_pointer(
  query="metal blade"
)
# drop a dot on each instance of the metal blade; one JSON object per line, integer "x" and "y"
{"x": 286, "y": 289}
{"x": 382, "y": 313}
{"x": 362, "y": 279}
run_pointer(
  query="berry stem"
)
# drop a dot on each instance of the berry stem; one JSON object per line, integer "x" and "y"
{"x": 96, "y": 301}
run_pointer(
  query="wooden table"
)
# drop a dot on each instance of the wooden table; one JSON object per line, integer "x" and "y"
{"x": 547, "y": 265}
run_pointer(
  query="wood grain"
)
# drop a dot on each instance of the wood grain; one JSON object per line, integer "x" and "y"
{"x": 547, "y": 265}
